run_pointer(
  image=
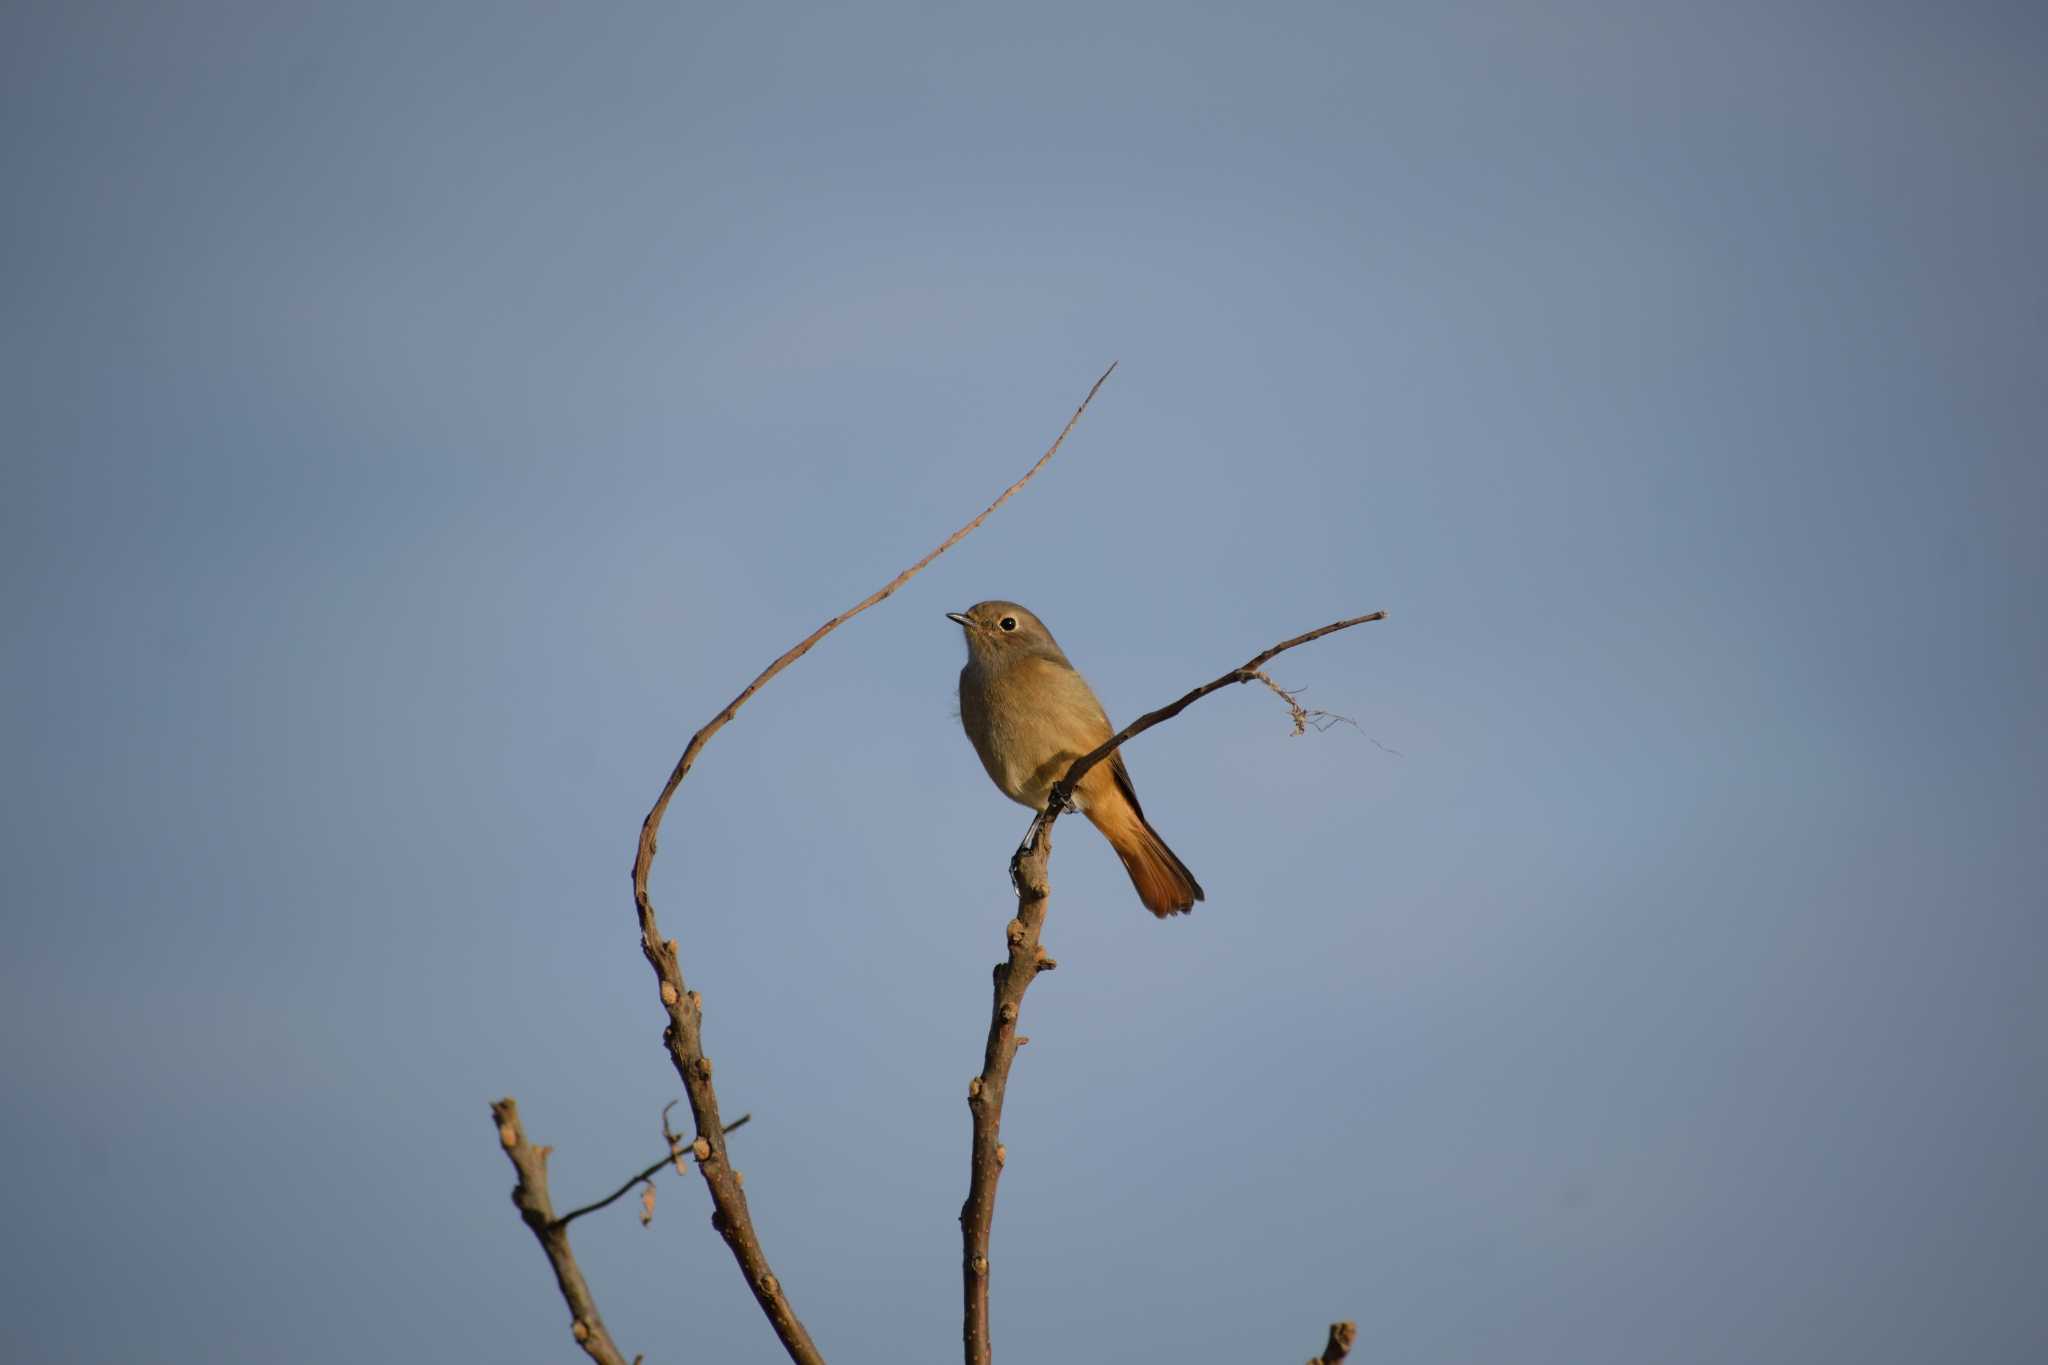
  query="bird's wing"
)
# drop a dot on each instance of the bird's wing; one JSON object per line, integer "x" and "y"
{"x": 1122, "y": 775}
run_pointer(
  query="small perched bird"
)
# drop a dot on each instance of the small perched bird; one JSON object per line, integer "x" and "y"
{"x": 1029, "y": 715}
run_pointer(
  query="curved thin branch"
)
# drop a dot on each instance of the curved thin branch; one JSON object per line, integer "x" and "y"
{"x": 652, "y": 826}
{"x": 684, "y": 1035}
{"x": 530, "y": 1197}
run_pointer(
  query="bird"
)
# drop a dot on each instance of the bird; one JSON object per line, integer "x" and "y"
{"x": 1029, "y": 714}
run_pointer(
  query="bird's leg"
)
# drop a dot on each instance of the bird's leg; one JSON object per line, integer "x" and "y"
{"x": 1031, "y": 836}
{"x": 1025, "y": 850}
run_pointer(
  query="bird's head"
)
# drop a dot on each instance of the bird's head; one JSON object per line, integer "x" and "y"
{"x": 998, "y": 630}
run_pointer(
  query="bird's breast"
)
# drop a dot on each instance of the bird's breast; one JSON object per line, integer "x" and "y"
{"x": 1028, "y": 721}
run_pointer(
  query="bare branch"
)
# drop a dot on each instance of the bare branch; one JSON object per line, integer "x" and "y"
{"x": 530, "y": 1196}
{"x": 985, "y": 1093}
{"x": 684, "y": 1035}
{"x": 674, "y": 1158}
{"x": 1343, "y": 1336}
{"x": 1063, "y": 790}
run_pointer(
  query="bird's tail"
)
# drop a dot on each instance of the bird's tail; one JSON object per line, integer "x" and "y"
{"x": 1163, "y": 880}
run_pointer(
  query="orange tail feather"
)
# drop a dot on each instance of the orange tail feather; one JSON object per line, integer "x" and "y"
{"x": 1163, "y": 880}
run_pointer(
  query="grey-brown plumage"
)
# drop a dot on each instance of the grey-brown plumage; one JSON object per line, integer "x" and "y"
{"x": 1029, "y": 714}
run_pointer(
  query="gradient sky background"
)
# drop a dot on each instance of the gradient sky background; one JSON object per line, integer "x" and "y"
{"x": 420, "y": 417}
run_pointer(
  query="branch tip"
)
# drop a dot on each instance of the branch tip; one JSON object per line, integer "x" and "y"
{"x": 530, "y": 1197}
{"x": 1343, "y": 1336}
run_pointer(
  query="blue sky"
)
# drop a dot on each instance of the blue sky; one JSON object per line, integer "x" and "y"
{"x": 420, "y": 418}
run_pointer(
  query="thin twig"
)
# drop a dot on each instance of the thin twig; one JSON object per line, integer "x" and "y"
{"x": 1308, "y": 718}
{"x": 684, "y": 1035}
{"x": 1343, "y": 1336}
{"x": 986, "y": 1092}
{"x": 530, "y": 1197}
{"x": 673, "y": 1158}
{"x": 1062, "y": 791}
{"x": 1305, "y": 718}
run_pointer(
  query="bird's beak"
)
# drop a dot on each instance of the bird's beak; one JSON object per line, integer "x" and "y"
{"x": 959, "y": 618}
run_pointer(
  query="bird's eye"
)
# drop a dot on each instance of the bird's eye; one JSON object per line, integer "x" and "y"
{"x": 1008, "y": 623}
